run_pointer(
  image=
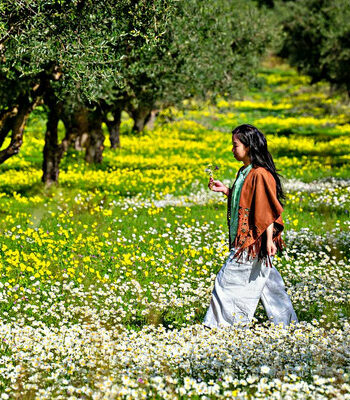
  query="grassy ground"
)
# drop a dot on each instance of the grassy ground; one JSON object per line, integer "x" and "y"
{"x": 135, "y": 243}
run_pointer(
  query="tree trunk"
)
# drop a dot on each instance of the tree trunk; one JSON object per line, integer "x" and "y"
{"x": 25, "y": 106}
{"x": 52, "y": 151}
{"x": 5, "y": 128}
{"x": 6, "y": 122}
{"x": 75, "y": 124}
{"x": 152, "y": 118}
{"x": 114, "y": 129}
{"x": 95, "y": 147}
{"x": 17, "y": 126}
{"x": 77, "y": 128}
{"x": 7, "y": 114}
{"x": 140, "y": 115}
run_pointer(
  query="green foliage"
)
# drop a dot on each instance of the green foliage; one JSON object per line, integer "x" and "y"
{"x": 225, "y": 42}
{"x": 146, "y": 52}
{"x": 83, "y": 40}
{"x": 317, "y": 38}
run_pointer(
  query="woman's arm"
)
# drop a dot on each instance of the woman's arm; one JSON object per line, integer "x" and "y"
{"x": 226, "y": 190}
{"x": 269, "y": 232}
{"x": 270, "y": 246}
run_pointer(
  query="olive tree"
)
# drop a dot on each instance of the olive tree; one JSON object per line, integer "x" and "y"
{"x": 87, "y": 61}
{"x": 316, "y": 39}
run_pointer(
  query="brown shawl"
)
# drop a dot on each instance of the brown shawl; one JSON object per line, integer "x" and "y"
{"x": 258, "y": 208}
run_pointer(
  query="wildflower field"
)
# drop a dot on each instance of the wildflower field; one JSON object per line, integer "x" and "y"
{"x": 105, "y": 279}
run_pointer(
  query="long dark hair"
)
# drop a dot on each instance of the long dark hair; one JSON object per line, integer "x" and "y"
{"x": 259, "y": 155}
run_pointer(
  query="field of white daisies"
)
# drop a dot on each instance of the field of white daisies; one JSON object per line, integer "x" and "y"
{"x": 105, "y": 279}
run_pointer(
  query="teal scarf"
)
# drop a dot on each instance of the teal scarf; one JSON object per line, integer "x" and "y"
{"x": 236, "y": 192}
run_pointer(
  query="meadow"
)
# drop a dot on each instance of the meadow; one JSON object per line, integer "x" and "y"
{"x": 105, "y": 279}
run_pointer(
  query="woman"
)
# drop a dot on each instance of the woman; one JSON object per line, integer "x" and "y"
{"x": 254, "y": 217}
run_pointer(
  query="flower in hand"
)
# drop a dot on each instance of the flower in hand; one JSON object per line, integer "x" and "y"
{"x": 209, "y": 170}
{"x": 215, "y": 185}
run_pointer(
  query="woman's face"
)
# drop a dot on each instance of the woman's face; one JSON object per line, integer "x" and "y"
{"x": 239, "y": 150}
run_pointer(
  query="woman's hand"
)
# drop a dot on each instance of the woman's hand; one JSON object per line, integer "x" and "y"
{"x": 217, "y": 186}
{"x": 271, "y": 248}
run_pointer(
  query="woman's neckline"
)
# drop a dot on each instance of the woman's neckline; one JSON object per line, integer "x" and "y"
{"x": 246, "y": 167}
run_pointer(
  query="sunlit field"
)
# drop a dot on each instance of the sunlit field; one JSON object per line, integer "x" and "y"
{"x": 105, "y": 279}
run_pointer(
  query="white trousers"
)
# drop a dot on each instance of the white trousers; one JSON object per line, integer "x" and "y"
{"x": 240, "y": 285}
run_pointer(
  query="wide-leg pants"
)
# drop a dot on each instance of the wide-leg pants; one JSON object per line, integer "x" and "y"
{"x": 240, "y": 285}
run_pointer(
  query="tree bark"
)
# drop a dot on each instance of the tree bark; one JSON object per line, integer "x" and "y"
{"x": 152, "y": 118}
{"x": 25, "y": 106}
{"x": 140, "y": 115}
{"x": 52, "y": 150}
{"x": 17, "y": 127}
{"x": 75, "y": 124}
{"x": 7, "y": 114}
{"x": 5, "y": 128}
{"x": 95, "y": 147}
{"x": 77, "y": 128}
{"x": 114, "y": 128}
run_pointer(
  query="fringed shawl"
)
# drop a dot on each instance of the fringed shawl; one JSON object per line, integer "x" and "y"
{"x": 258, "y": 208}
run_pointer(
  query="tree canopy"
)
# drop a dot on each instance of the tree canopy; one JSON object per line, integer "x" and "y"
{"x": 317, "y": 38}
{"x": 133, "y": 55}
